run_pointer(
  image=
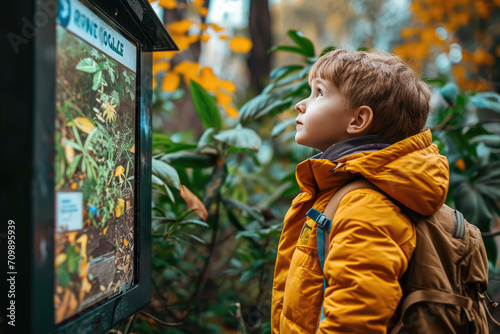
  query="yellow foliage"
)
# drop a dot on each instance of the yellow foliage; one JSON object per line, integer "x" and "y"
{"x": 162, "y": 54}
{"x": 207, "y": 79}
{"x": 60, "y": 259}
{"x": 240, "y": 44}
{"x": 83, "y": 124}
{"x": 203, "y": 11}
{"x": 451, "y": 15}
{"x": 120, "y": 207}
{"x": 407, "y": 32}
{"x": 222, "y": 98}
{"x": 184, "y": 41}
{"x": 168, "y": 4}
{"x": 204, "y": 38}
{"x": 225, "y": 100}
{"x": 160, "y": 66}
{"x": 188, "y": 69}
{"x": 218, "y": 28}
{"x": 482, "y": 57}
{"x": 170, "y": 82}
{"x": 415, "y": 50}
{"x": 179, "y": 27}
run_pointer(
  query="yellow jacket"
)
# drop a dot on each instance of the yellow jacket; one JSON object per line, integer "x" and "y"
{"x": 371, "y": 240}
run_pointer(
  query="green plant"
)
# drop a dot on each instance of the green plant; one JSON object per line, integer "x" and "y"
{"x": 247, "y": 192}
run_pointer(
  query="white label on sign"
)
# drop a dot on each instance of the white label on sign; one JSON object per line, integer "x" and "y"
{"x": 69, "y": 210}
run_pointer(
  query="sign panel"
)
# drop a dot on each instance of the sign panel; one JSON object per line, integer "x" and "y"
{"x": 94, "y": 162}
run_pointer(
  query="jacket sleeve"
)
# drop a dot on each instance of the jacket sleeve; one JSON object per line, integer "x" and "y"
{"x": 370, "y": 245}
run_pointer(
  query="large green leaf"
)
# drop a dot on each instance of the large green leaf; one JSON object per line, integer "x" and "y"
{"x": 492, "y": 140}
{"x": 189, "y": 159}
{"x": 281, "y": 72}
{"x": 304, "y": 43}
{"x": 274, "y": 108}
{"x": 470, "y": 202}
{"x": 281, "y": 127}
{"x": 240, "y": 137}
{"x": 491, "y": 249}
{"x": 289, "y": 48}
{"x": 88, "y": 65}
{"x": 449, "y": 92}
{"x": 205, "y": 106}
{"x": 159, "y": 184}
{"x": 207, "y": 139}
{"x": 166, "y": 173}
{"x": 96, "y": 81}
{"x": 488, "y": 100}
{"x": 252, "y": 107}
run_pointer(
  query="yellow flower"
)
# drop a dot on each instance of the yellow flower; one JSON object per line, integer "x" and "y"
{"x": 109, "y": 111}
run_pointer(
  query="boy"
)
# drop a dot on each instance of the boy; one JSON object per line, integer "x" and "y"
{"x": 365, "y": 113}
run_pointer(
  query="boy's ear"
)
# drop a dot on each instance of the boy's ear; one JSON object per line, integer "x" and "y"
{"x": 361, "y": 121}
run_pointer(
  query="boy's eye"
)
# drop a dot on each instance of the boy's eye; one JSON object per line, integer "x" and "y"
{"x": 319, "y": 93}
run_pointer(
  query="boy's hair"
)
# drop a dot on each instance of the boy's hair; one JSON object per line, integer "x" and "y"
{"x": 382, "y": 81}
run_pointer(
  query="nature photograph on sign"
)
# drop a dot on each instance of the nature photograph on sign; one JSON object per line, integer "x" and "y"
{"x": 94, "y": 174}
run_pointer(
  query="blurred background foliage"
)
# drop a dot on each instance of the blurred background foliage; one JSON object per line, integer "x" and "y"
{"x": 224, "y": 150}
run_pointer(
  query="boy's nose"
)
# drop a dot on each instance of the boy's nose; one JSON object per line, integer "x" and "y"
{"x": 300, "y": 107}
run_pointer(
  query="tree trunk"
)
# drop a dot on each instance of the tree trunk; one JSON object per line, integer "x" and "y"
{"x": 259, "y": 63}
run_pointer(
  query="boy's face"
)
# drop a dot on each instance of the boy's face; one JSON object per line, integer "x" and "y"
{"x": 323, "y": 117}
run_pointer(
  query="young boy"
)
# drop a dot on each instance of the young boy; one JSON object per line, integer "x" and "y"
{"x": 366, "y": 113}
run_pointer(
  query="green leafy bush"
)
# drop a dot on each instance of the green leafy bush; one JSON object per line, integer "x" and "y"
{"x": 213, "y": 272}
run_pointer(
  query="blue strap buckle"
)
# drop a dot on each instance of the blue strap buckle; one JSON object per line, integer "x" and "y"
{"x": 323, "y": 222}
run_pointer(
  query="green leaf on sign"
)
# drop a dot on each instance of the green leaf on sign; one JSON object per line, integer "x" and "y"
{"x": 88, "y": 65}
{"x": 205, "y": 106}
{"x": 96, "y": 81}
{"x": 62, "y": 275}
{"x": 73, "y": 259}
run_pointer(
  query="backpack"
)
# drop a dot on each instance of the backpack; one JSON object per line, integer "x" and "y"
{"x": 444, "y": 286}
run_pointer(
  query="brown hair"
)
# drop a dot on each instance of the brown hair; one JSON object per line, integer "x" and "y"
{"x": 396, "y": 94}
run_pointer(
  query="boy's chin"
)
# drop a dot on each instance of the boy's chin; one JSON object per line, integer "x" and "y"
{"x": 302, "y": 143}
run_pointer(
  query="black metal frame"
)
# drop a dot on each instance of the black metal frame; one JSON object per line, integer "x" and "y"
{"x": 27, "y": 112}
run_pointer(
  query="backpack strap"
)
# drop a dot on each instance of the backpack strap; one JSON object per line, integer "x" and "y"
{"x": 325, "y": 219}
{"x": 433, "y": 296}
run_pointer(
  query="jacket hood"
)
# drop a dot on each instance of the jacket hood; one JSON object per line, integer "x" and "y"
{"x": 411, "y": 171}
